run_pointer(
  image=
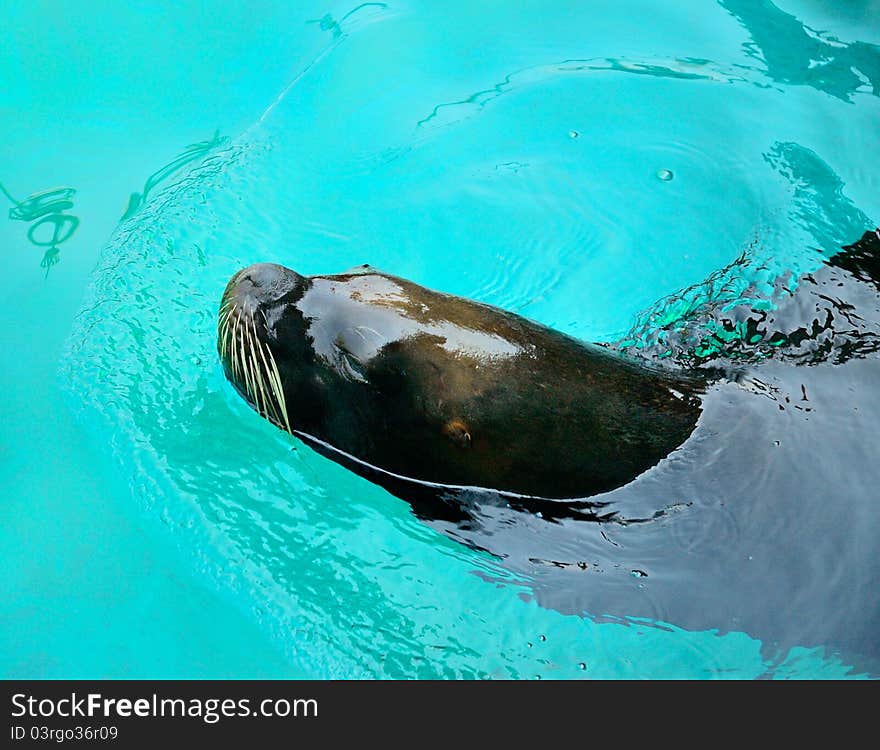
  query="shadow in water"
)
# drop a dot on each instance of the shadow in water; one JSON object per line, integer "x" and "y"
{"x": 46, "y": 211}
{"x": 328, "y": 23}
{"x": 50, "y": 225}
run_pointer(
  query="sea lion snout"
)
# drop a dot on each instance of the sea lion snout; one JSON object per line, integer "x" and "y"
{"x": 260, "y": 336}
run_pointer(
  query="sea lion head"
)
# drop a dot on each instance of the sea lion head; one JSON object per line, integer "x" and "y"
{"x": 262, "y": 341}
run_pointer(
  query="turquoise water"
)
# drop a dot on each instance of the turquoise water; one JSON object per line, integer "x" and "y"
{"x": 515, "y": 153}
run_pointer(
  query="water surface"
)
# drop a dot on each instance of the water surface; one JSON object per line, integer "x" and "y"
{"x": 574, "y": 164}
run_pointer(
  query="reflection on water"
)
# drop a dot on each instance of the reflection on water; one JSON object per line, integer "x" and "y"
{"x": 328, "y": 23}
{"x": 193, "y": 153}
{"x": 795, "y": 54}
{"x": 819, "y": 204}
{"x": 827, "y": 316}
{"x": 748, "y": 311}
{"x": 47, "y": 212}
{"x": 689, "y": 69}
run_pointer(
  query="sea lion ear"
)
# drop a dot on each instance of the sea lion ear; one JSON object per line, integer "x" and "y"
{"x": 457, "y": 431}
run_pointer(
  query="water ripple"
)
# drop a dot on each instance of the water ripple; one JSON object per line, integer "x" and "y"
{"x": 690, "y": 69}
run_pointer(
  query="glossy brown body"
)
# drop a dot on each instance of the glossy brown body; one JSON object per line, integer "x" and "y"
{"x": 441, "y": 389}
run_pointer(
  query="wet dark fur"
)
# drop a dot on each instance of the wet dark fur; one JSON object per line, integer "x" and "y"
{"x": 440, "y": 389}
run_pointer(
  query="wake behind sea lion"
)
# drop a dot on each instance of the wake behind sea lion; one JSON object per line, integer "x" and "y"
{"x": 404, "y": 384}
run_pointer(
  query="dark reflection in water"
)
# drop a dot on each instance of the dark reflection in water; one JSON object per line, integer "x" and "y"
{"x": 742, "y": 315}
{"x": 328, "y": 23}
{"x": 861, "y": 260}
{"x": 50, "y": 226}
{"x": 796, "y": 54}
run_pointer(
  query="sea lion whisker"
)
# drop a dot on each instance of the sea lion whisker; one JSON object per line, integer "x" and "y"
{"x": 256, "y": 372}
{"x": 228, "y": 338}
{"x": 230, "y": 328}
{"x": 275, "y": 384}
{"x": 279, "y": 391}
{"x": 238, "y": 348}
{"x": 223, "y": 316}
{"x": 260, "y": 397}
{"x": 233, "y": 351}
{"x": 250, "y": 377}
{"x": 233, "y": 332}
{"x": 268, "y": 395}
{"x": 222, "y": 330}
{"x": 273, "y": 390}
{"x": 257, "y": 394}
{"x": 244, "y": 364}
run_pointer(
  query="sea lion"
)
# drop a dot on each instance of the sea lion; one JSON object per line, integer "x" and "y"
{"x": 399, "y": 382}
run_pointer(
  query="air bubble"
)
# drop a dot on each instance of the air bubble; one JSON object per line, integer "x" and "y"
{"x": 665, "y": 175}
{"x": 573, "y": 134}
